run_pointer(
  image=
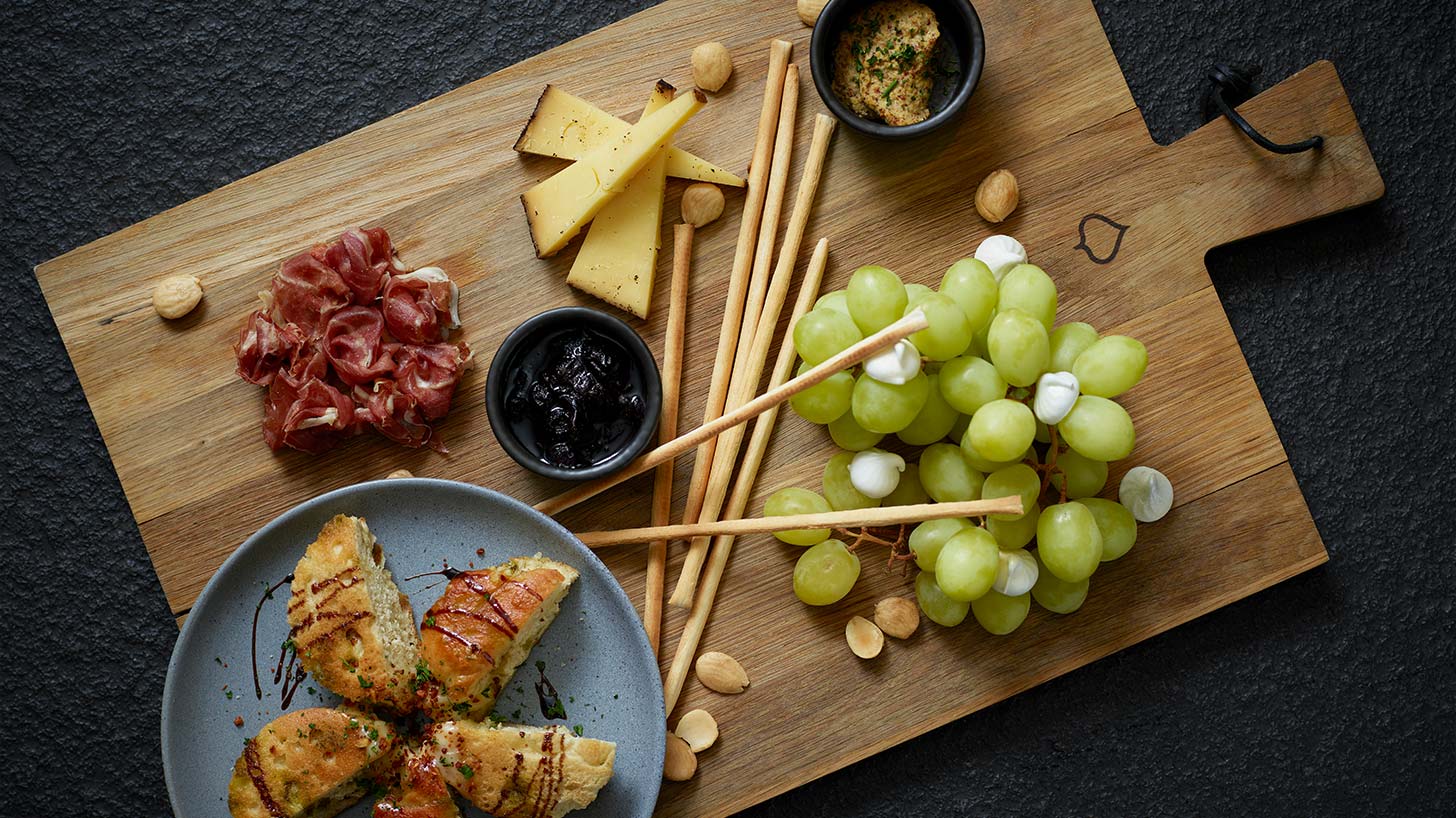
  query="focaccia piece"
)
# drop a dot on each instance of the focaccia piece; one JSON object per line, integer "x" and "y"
{"x": 420, "y": 792}
{"x": 352, "y": 627}
{"x": 482, "y": 628}
{"x": 514, "y": 771}
{"x": 310, "y": 763}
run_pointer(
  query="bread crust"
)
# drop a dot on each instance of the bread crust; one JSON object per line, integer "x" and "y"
{"x": 313, "y": 762}
{"x": 481, "y": 629}
{"x": 420, "y": 792}
{"x": 514, "y": 771}
{"x": 336, "y": 620}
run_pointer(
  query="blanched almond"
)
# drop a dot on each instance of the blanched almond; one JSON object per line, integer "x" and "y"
{"x": 698, "y": 729}
{"x": 865, "y": 639}
{"x": 400, "y": 473}
{"x": 897, "y": 616}
{"x": 679, "y": 764}
{"x": 721, "y": 673}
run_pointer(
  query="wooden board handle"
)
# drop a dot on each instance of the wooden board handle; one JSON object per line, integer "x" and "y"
{"x": 1255, "y": 191}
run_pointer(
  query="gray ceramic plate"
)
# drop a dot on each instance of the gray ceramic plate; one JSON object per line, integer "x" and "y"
{"x": 596, "y": 653}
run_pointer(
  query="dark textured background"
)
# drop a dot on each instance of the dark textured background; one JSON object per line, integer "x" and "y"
{"x": 1333, "y": 693}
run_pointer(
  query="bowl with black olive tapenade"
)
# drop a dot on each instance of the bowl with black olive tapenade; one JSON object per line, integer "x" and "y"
{"x": 574, "y": 394}
{"x": 896, "y": 69}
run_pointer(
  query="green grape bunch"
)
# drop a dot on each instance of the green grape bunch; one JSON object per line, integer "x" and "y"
{"x": 1000, "y": 401}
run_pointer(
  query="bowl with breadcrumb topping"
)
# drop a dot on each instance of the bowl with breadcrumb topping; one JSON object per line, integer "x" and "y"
{"x": 896, "y": 69}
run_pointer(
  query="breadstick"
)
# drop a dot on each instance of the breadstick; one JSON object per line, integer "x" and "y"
{"x": 672, "y": 346}
{"x": 745, "y": 382}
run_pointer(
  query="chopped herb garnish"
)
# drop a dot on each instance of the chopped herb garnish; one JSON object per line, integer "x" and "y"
{"x": 465, "y": 770}
{"x": 576, "y": 728}
{"x": 364, "y": 683}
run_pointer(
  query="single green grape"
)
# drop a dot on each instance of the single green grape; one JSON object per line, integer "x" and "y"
{"x": 838, "y": 490}
{"x": 1016, "y": 480}
{"x": 836, "y": 300}
{"x": 980, "y": 462}
{"x": 971, "y": 284}
{"x": 1056, "y": 594}
{"x": 1002, "y": 429}
{"x": 887, "y": 407}
{"x": 1068, "y": 541}
{"x": 1083, "y": 476}
{"x": 949, "y": 332}
{"x": 909, "y": 491}
{"x": 937, "y": 607}
{"x": 1018, "y": 346}
{"x": 1116, "y": 525}
{"x": 1017, "y": 533}
{"x": 914, "y": 294}
{"x": 826, "y": 400}
{"x": 1000, "y": 614}
{"x": 825, "y": 573}
{"x": 851, "y": 436}
{"x": 935, "y": 419}
{"x": 876, "y": 298}
{"x": 946, "y": 475}
{"x": 822, "y": 334}
{"x": 1111, "y": 366}
{"x": 966, "y": 566}
{"x": 793, "y": 500}
{"x": 1028, "y": 288}
{"x": 969, "y": 382}
{"x": 928, "y": 537}
{"x": 1098, "y": 428}
{"x": 1067, "y": 342}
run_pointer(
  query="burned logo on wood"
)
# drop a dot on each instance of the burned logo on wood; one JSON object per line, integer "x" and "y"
{"x": 1100, "y": 237}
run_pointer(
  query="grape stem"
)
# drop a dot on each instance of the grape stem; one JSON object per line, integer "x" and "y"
{"x": 899, "y": 547}
{"x": 1050, "y": 467}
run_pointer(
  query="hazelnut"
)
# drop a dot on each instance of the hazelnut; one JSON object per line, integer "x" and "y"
{"x": 176, "y": 296}
{"x": 711, "y": 66}
{"x": 702, "y": 203}
{"x": 721, "y": 673}
{"x": 864, "y": 638}
{"x": 397, "y": 473}
{"x": 897, "y": 616}
{"x": 809, "y": 11}
{"x": 997, "y": 196}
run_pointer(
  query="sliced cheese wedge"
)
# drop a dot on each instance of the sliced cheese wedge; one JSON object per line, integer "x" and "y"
{"x": 560, "y": 207}
{"x": 568, "y": 127}
{"x": 618, "y": 258}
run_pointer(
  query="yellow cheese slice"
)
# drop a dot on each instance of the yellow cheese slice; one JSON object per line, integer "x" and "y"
{"x": 567, "y": 127}
{"x": 618, "y": 258}
{"x": 560, "y": 207}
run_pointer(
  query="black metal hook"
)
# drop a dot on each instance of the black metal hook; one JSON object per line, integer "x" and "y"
{"x": 1233, "y": 85}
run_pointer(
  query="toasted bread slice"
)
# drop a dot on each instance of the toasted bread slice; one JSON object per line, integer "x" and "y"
{"x": 352, "y": 627}
{"x": 513, "y": 771}
{"x": 482, "y": 628}
{"x": 420, "y": 792}
{"x": 310, "y": 764}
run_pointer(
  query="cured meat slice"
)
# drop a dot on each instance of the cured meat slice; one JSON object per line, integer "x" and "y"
{"x": 393, "y": 414}
{"x": 263, "y": 348}
{"x": 420, "y": 307}
{"x": 429, "y": 375}
{"x": 306, "y": 291}
{"x": 354, "y": 343}
{"x": 307, "y": 415}
{"x": 363, "y": 259}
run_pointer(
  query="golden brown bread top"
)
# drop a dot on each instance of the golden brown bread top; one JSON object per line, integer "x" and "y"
{"x": 419, "y": 793}
{"x": 513, "y": 771}
{"x": 483, "y": 625}
{"x": 348, "y": 618}
{"x": 304, "y": 758}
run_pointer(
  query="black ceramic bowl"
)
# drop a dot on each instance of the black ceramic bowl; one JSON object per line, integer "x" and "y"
{"x": 960, "y": 55}
{"x": 526, "y": 344}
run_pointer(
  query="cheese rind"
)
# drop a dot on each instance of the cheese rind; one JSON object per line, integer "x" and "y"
{"x": 568, "y": 127}
{"x": 559, "y": 207}
{"x": 617, "y": 261}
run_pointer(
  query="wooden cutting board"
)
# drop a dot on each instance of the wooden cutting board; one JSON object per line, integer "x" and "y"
{"x": 1052, "y": 106}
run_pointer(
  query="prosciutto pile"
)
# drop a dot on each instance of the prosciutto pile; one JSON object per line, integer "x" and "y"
{"x": 350, "y": 339}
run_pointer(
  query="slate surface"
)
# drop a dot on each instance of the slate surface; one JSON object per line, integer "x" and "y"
{"x": 1331, "y": 694}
